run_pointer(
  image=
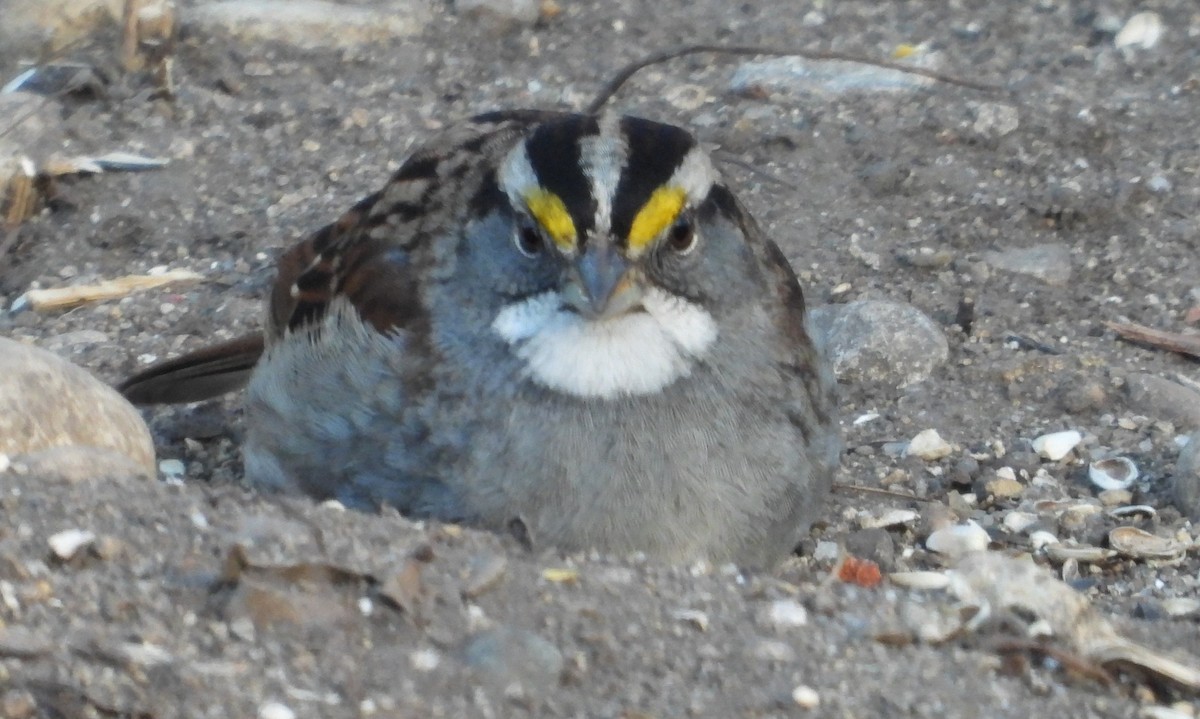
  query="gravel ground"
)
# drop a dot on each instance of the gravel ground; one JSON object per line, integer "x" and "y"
{"x": 198, "y": 598}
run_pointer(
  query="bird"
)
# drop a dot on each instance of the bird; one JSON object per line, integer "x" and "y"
{"x": 561, "y": 322}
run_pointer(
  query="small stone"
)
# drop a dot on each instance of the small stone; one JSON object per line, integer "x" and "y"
{"x": 500, "y": 14}
{"x": 919, "y": 580}
{"x": 995, "y": 119}
{"x": 875, "y": 544}
{"x": 958, "y": 540}
{"x": 1004, "y": 488}
{"x": 275, "y": 710}
{"x": 826, "y": 551}
{"x": 694, "y": 617}
{"x": 1162, "y": 399}
{"x": 888, "y": 343}
{"x": 506, "y": 656}
{"x": 1019, "y": 521}
{"x": 172, "y": 468}
{"x": 1049, "y": 262}
{"x": 67, "y": 543}
{"x": 1115, "y": 497}
{"x": 425, "y": 660}
{"x": 806, "y": 697}
{"x": 484, "y": 573}
{"x": 787, "y": 614}
{"x": 1142, "y": 32}
{"x": 1057, "y": 445}
{"x": 18, "y": 704}
{"x": 1187, "y": 478}
{"x": 929, "y": 446}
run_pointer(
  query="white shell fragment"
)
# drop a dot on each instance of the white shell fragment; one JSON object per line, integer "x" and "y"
{"x": 1140, "y": 544}
{"x": 957, "y": 540}
{"x": 929, "y": 446}
{"x": 67, "y": 543}
{"x": 787, "y": 614}
{"x": 920, "y": 580}
{"x": 1056, "y": 445}
{"x": 1113, "y": 473}
{"x": 1020, "y": 521}
{"x": 889, "y": 518}
{"x": 1080, "y": 553}
{"x": 1141, "y": 32}
{"x": 1132, "y": 510}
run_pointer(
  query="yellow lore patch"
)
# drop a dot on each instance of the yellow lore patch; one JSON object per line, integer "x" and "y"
{"x": 550, "y": 212}
{"x": 656, "y": 215}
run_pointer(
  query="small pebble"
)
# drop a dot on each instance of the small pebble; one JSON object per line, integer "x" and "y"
{"x": 1142, "y": 32}
{"x": 806, "y": 697}
{"x": 957, "y": 540}
{"x": 67, "y": 543}
{"x": 787, "y": 613}
{"x": 275, "y": 710}
{"x": 1056, "y": 445}
{"x": 929, "y": 446}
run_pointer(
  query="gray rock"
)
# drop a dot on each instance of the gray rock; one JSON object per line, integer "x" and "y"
{"x": 1050, "y": 262}
{"x": 309, "y": 23}
{"x": 889, "y": 343}
{"x": 798, "y": 75}
{"x": 1159, "y": 398}
{"x": 501, "y": 14}
{"x": 76, "y": 464}
{"x": 1187, "y": 478}
{"x": 513, "y": 659}
{"x": 48, "y": 402}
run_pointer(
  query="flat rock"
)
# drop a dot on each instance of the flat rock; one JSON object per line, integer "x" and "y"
{"x": 47, "y": 402}
{"x": 1187, "y": 478}
{"x": 798, "y": 75}
{"x": 309, "y": 23}
{"x": 1050, "y": 262}
{"x": 1160, "y": 398}
{"x": 873, "y": 341}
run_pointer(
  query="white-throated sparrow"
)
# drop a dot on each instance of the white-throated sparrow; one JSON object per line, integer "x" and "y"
{"x": 563, "y": 320}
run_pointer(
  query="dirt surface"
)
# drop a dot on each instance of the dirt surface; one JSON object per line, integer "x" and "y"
{"x": 268, "y": 142}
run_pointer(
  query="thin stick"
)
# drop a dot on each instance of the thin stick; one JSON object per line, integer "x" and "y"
{"x": 1158, "y": 339}
{"x": 882, "y": 492}
{"x": 614, "y": 85}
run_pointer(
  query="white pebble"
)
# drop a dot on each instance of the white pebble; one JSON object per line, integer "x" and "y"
{"x": 425, "y": 660}
{"x": 929, "y": 446}
{"x": 806, "y": 697}
{"x": 1056, "y": 445}
{"x": 1143, "y": 31}
{"x": 788, "y": 613}
{"x": 957, "y": 540}
{"x": 826, "y": 551}
{"x": 67, "y": 543}
{"x": 275, "y": 710}
{"x": 172, "y": 468}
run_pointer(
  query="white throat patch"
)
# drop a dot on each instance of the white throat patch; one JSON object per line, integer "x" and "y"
{"x": 635, "y": 354}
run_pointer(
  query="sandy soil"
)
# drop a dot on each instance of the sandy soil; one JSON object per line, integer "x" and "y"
{"x": 160, "y": 618}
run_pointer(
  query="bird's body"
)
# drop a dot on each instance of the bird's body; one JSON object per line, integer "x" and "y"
{"x": 558, "y": 320}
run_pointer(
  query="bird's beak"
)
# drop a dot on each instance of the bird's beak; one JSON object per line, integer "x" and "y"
{"x": 601, "y": 283}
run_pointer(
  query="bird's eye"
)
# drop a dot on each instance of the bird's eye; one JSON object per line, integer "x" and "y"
{"x": 528, "y": 240}
{"x": 682, "y": 236}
